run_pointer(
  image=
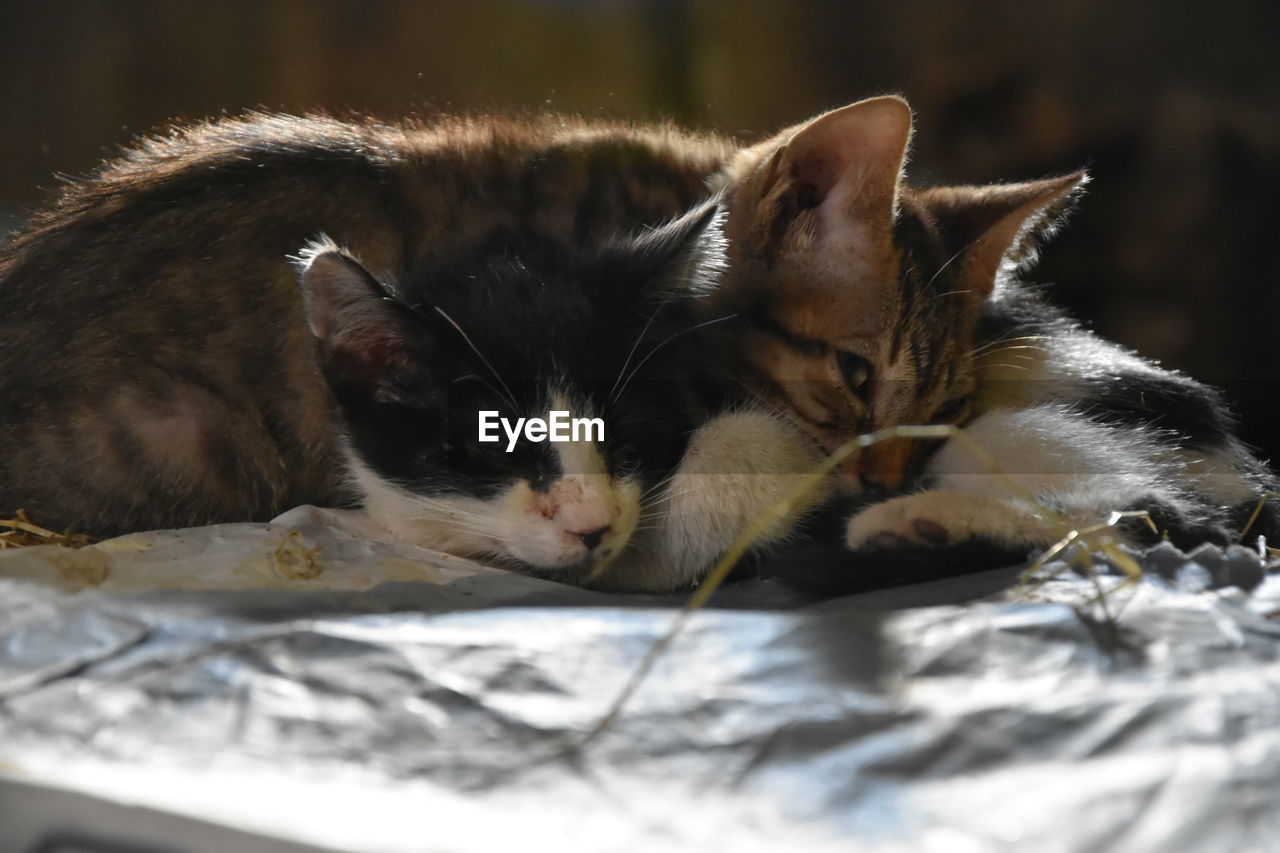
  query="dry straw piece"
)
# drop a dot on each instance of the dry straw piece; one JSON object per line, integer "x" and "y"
{"x": 21, "y": 532}
{"x": 1253, "y": 518}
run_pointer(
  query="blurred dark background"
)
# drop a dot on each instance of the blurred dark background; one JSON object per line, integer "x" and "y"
{"x": 1173, "y": 105}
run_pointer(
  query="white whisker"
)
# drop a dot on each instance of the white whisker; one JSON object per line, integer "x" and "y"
{"x": 649, "y": 355}
{"x": 948, "y": 263}
{"x": 634, "y": 347}
{"x": 510, "y": 397}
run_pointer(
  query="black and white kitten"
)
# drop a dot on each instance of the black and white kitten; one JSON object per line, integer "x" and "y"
{"x": 609, "y": 336}
{"x": 414, "y": 362}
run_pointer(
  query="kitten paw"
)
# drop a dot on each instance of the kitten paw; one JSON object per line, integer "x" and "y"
{"x": 942, "y": 517}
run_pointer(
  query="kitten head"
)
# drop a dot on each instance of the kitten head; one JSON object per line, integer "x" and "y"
{"x": 859, "y": 295}
{"x": 599, "y": 336}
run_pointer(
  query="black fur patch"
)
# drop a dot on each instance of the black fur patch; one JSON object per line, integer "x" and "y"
{"x": 606, "y": 329}
{"x": 1166, "y": 401}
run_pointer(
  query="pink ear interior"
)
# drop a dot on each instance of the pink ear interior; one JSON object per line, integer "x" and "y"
{"x": 848, "y": 162}
{"x": 334, "y": 285}
{"x": 1015, "y": 216}
{"x": 351, "y": 315}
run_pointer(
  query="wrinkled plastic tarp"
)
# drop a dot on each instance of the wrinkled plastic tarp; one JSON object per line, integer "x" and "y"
{"x": 446, "y": 710}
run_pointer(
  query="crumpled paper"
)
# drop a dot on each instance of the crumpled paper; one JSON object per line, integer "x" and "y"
{"x": 447, "y": 707}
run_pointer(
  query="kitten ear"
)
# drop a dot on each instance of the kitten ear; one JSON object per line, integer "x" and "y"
{"x": 362, "y": 331}
{"x": 849, "y": 161}
{"x": 844, "y": 166}
{"x": 684, "y": 256}
{"x": 1000, "y": 226}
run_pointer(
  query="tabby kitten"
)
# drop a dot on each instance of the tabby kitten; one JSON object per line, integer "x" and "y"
{"x": 866, "y": 303}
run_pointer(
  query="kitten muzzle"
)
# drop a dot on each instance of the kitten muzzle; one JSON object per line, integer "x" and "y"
{"x": 881, "y": 468}
{"x": 591, "y": 516}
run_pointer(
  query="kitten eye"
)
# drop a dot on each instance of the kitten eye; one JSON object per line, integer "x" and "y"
{"x": 856, "y": 371}
{"x": 540, "y": 478}
{"x": 952, "y": 410}
{"x": 626, "y": 458}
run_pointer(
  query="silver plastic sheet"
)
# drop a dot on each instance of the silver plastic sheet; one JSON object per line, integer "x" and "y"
{"x": 246, "y": 708}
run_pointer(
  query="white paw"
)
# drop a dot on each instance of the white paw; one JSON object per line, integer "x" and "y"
{"x": 944, "y": 517}
{"x": 739, "y": 467}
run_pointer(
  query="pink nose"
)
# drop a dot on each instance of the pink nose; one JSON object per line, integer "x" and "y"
{"x": 591, "y": 538}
